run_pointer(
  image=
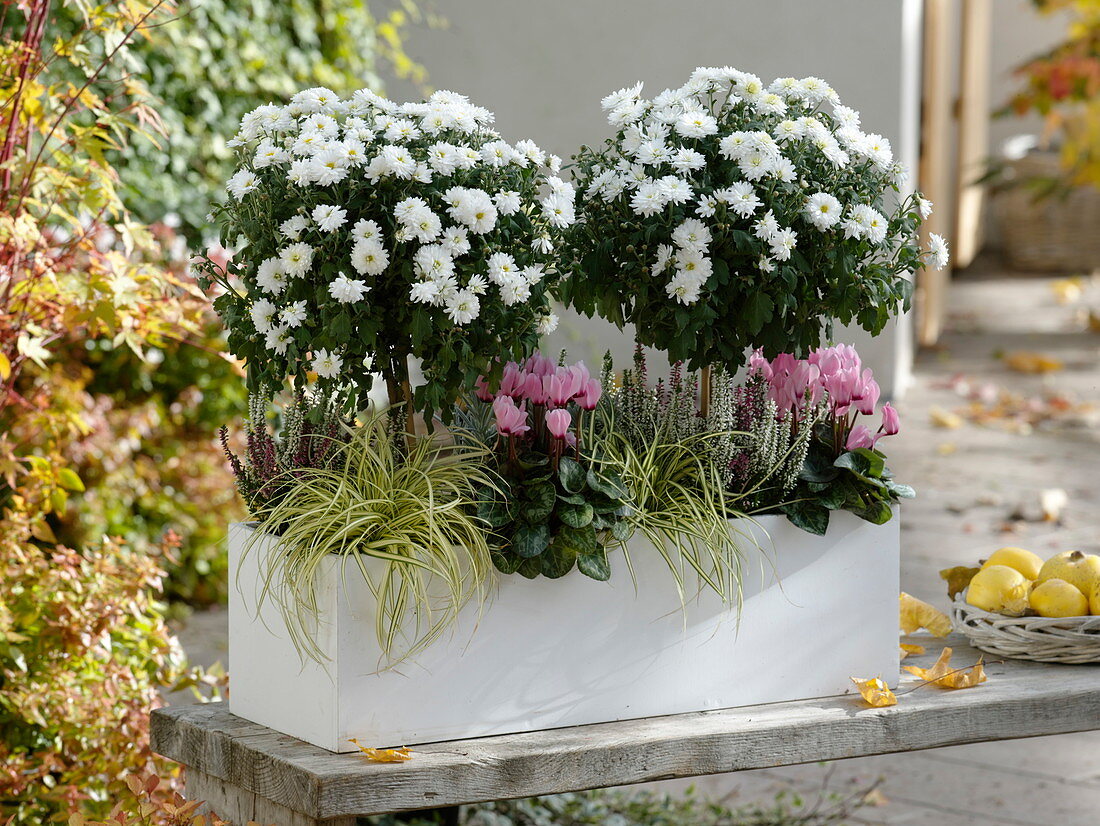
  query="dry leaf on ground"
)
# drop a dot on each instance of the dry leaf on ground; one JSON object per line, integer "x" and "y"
{"x": 1025, "y": 361}
{"x": 384, "y": 755}
{"x": 916, "y": 614}
{"x": 945, "y": 418}
{"x": 908, "y": 649}
{"x": 957, "y": 579}
{"x": 943, "y": 675}
{"x": 875, "y": 692}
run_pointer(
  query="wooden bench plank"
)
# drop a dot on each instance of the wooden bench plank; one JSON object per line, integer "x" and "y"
{"x": 1020, "y": 700}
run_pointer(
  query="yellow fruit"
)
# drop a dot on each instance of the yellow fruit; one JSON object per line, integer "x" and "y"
{"x": 999, "y": 589}
{"x": 1057, "y": 598}
{"x": 1094, "y": 599}
{"x": 1078, "y": 569}
{"x": 1023, "y": 561}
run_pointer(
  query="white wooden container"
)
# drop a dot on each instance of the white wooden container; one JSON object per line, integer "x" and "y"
{"x": 549, "y": 653}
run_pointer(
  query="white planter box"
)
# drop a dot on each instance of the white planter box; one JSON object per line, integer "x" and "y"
{"x": 550, "y": 653}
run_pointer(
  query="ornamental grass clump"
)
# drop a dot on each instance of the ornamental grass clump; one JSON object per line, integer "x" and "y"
{"x": 726, "y": 215}
{"x": 399, "y": 516}
{"x": 369, "y": 232}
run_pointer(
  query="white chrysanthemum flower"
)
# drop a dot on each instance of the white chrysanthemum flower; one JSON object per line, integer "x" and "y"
{"x": 426, "y": 227}
{"x": 846, "y": 116}
{"x": 877, "y": 149}
{"x": 787, "y": 131}
{"x": 558, "y": 210}
{"x": 692, "y": 235}
{"x": 353, "y": 151}
{"x": 443, "y": 157}
{"x": 369, "y": 257}
{"x": 706, "y": 206}
{"x": 242, "y": 183}
{"x": 456, "y": 241}
{"x": 502, "y": 268}
{"x": 401, "y": 129}
{"x": 507, "y": 202}
{"x": 675, "y": 189}
{"x": 770, "y": 104}
{"x": 686, "y": 160}
{"x": 477, "y": 284}
{"x": 268, "y": 154}
{"x": 294, "y": 314}
{"x": 424, "y": 292}
{"x": 530, "y": 150}
{"x": 497, "y": 153}
{"x": 664, "y": 258}
{"x": 543, "y": 244}
{"x": 410, "y": 210}
{"x": 277, "y": 339}
{"x": 308, "y": 143}
{"x": 876, "y": 226}
{"x": 684, "y": 288}
{"x": 318, "y": 122}
{"x": 553, "y": 162}
{"x": 514, "y": 291}
{"x": 547, "y": 324}
{"x": 397, "y": 161}
{"x": 347, "y": 290}
{"x": 329, "y": 165}
{"x": 617, "y": 99}
{"x": 696, "y": 124}
{"x": 627, "y": 113}
{"x": 740, "y": 197}
{"x": 468, "y": 157}
{"x": 648, "y": 199}
{"x": 463, "y": 307}
{"x": 694, "y": 263}
{"x": 329, "y": 217}
{"x": 270, "y": 276}
{"x": 924, "y": 206}
{"x": 296, "y": 259}
{"x": 434, "y": 262}
{"x": 765, "y": 227}
{"x": 366, "y": 230}
{"x": 310, "y": 101}
{"x": 940, "y": 254}
{"x": 823, "y": 210}
{"x": 300, "y": 172}
{"x": 533, "y": 273}
{"x": 263, "y": 314}
{"x": 475, "y": 209}
{"x": 782, "y": 244}
{"x": 652, "y": 152}
{"x": 327, "y": 365}
{"x": 292, "y": 228}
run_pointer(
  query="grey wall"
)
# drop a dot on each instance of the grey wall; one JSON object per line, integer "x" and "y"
{"x": 543, "y": 67}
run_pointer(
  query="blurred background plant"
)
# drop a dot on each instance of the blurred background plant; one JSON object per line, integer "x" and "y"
{"x": 1063, "y": 85}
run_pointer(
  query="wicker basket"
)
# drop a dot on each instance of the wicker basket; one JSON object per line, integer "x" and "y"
{"x": 1068, "y": 640}
{"x": 1053, "y": 234}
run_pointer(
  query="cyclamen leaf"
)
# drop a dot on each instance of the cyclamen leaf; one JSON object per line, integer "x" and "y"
{"x": 572, "y": 475}
{"x": 558, "y": 560}
{"x": 576, "y": 516}
{"x": 531, "y": 540}
{"x": 595, "y": 565}
{"x": 538, "y": 502}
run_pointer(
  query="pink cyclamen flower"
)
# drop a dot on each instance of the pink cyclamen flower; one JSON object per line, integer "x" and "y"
{"x": 589, "y": 397}
{"x": 870, "y": 395}
{"x": 858, "y": 437}
{"x": 511, "y": 420}
{"x": 890, "y": 421}
{"x": 533, "y": 389}
{"x": 511, "y": 383}
{"x": 481, "y": 389}
{"x": 558, "y": 422}
{"x": 540, "y": 365}
{"x": 559, "y": 388}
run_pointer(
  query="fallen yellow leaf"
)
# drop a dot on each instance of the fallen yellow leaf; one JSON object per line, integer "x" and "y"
{"x": 957, "y": 579}
{"x": 1025, "y": 361}
{"x": 5, "y": 368}
{"x": 944, "y": 676}
{"x": 875, "y": 692}
{"x": 945, "y": 418}
{"x": 917, "y": 614}
{"x": 400, "y": 755}
{"x": 908, "y": 649}
{"x": 946, "y": 448}
{"x": 1067, "y": 290}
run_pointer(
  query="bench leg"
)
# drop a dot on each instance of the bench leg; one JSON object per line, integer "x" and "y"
{"x": 239, "y": 807}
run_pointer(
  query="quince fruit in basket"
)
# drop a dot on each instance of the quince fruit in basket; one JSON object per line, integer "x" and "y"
{"x": 999, "y": 589}
{"x": 1078, "y": 569}
{"x": 1024, "y": 561}
{"x": 1057, "y": 598}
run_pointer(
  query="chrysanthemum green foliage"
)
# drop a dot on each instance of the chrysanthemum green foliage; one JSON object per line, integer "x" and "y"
{"x": 726, "y": 214}
{"x": 368, "y": 232}
{"x": 399, "y": 517}
{"x": 654, "y": 440}
{"x": 313, "y": 429}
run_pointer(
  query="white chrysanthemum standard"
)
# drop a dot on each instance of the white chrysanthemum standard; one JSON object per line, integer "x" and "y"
{"x": 729, "y": 213}
{"x": 374, "y": 232}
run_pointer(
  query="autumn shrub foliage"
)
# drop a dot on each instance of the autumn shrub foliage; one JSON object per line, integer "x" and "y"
{"x": 83, "y": 646}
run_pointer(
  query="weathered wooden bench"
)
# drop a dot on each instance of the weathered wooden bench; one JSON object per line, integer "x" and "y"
{"x": 248, "y": 772}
